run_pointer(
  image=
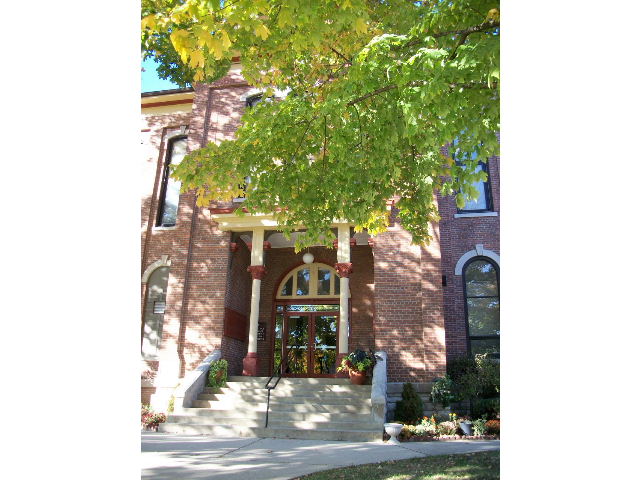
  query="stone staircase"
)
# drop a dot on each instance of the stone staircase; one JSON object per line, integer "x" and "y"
{"x": 301, "y": 408}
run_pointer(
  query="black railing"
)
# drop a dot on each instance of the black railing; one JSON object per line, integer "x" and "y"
{"x": 282, "y": 367}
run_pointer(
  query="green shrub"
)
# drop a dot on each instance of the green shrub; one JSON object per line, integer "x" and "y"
{"x": 479, "y": 426}
{"x": 218, "y": 373}
{"x": 410, "y": 408}
{"x": 485, "y": 407}
{"x": 474, "y": 377}
{"x": 443, "y": 391}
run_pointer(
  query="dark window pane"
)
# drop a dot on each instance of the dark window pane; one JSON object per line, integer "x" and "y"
{"x": 288, "y": 287}
{"x": 336, "y": 283}
{"x": 484, "y": 316}
{"x": 481, "y": 279}
{"x": 324, "y": 281}
{"x": 491, "y": 346}
{"x": 303, "y": 282}
{"x": 326, "y": 328}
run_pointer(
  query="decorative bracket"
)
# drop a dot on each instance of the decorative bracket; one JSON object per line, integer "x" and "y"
{"x": 257, "y": 271}
{"x": 344, "y": 269}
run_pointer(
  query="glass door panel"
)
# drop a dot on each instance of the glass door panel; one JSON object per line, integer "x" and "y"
{"x": 324, "y": 346}
{"x": 297, "y": 345}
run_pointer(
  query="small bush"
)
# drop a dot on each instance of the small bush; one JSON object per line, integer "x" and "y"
{"x": 479, "y": 426}
{"x": 443, "y": 392}
{"x": 218, "y": 373}
{"x": 447, "y": 428}
{"x": 410, "y": 409}
{"x": 485, "y": 407}
{"x": 493, "y": 427}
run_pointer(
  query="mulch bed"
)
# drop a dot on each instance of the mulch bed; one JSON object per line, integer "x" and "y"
{"x": 443, "y": 438}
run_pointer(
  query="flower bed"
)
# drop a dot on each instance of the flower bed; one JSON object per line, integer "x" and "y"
{"x": 150, "y": 419}
{"x": 429, "y": 429}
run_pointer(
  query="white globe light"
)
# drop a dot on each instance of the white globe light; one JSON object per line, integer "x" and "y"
{"x": 307, "y": 257}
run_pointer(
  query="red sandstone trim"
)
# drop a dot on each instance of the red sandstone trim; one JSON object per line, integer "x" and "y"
{"x": 257, "y": 271}
{"x": 344, "y": 269}
{"x": 171, "y": 102}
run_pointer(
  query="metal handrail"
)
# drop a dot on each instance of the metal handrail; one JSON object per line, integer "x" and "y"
{"x": 284, "y": 363}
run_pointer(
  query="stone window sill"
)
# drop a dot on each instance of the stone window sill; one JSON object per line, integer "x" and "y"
{"x": 475, "y": 214}
{"x": 160, "y": 229}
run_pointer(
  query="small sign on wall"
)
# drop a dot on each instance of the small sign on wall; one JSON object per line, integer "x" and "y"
{"x": 261, "y": 331}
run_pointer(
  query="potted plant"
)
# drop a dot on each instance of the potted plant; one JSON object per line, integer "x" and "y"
{"x": 466, "y": 425}
{"x": 357, "y": 363}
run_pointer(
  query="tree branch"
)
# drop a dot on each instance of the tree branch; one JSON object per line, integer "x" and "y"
{"x": 340, "y": 55}
{"x": 465, "y": 32}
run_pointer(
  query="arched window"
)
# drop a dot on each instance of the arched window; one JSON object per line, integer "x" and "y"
{"x": 315, "y": 280}
{"x": 154, "y": 312}
{"x": 482, "y": 297}
{"x": 170, "y": 188}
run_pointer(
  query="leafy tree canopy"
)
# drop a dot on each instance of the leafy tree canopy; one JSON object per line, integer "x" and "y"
{"x": 376, "y": 89}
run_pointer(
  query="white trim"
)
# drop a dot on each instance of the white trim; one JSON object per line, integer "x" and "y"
{"x": 477, "y": 214}
{"x": 163, "y": 262}
{"x": 479, "y": 251}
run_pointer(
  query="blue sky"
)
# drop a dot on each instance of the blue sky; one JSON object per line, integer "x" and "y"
{"x": 150, "y": 80}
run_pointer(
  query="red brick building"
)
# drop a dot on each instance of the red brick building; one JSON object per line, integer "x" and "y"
{"x": 211, "y": 280}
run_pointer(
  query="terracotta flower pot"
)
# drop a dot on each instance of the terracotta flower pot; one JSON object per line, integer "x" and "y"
{"x": 357, "y": 378}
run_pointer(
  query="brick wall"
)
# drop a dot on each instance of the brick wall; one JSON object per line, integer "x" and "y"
{"x": 238, "y": 298}
{"x": 199, "y": 252}
{"x": 409, "y": 324}
{"x": 458, "y": 236}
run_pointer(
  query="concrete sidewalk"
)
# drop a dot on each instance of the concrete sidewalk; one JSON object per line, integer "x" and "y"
{"x": 171, "y": 456}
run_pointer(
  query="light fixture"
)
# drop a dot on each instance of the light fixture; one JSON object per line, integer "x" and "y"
{"x": 307, "y": 258}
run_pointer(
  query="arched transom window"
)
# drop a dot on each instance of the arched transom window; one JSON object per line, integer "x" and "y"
{"x": 315, "y": 280}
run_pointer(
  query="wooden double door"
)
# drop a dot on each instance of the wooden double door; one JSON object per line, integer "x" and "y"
{"x": 307, "y": 336}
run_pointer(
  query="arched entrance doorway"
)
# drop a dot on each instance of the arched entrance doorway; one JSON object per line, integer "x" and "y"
{"x": 307, "y": 321}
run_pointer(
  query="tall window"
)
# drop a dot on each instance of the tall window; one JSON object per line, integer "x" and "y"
{"x": 482, "y": 296}
{"x": 483, "y": 203}
{"x": 154, "y": 312}
{"x": 170, "y": 189}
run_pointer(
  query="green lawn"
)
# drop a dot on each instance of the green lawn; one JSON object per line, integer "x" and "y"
{"x": 470, "y": 466}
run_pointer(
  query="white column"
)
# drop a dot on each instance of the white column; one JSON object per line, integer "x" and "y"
{"x": 257, "y": 258}
{"x": 344, "y": 270}
{"x": 257, "y": 272}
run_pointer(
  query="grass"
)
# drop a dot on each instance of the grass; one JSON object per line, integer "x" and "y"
{"x": 470, "y": 466}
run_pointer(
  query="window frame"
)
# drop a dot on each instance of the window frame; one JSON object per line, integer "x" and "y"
{"x": 487, "y": 190}
{"x": 162, "y": 198}
{"x": 313, "y": 283}
{"x": 496, "y": 267}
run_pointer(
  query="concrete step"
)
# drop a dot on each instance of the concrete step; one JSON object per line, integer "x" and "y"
{"x": 292, "y": 389}
{"x": 296, "y": 397}
{"x": 331, "y": 425}
{"x": 223, "y": 415}
{"x": 276, "y": 400}
{"x": 271, "y": 432}
{"x": 284, "y": 406}
{"x": 291, "y": 380}
{"x": 326, "y": 424}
